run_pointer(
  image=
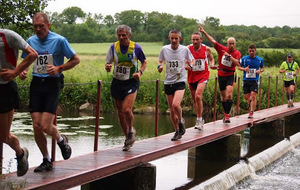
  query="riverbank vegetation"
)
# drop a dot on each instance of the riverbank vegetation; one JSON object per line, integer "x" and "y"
{"x": 81, "y": 82}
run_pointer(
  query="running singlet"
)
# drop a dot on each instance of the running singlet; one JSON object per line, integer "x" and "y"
{"x": 200, "y": 69}
{"x": 254, "y": 64}
{"x": 226, "y": 67}
{"x": 290, "y": 68}
{"x": 125, "y": 63}
{"x": 10, "y": 44}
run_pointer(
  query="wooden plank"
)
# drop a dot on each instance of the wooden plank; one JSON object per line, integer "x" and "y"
{"x": 90, "y": 167}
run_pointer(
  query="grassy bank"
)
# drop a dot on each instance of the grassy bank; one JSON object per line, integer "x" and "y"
{"x": 81, "y": 83}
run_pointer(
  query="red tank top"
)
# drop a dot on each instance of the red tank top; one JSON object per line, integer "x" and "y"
{"x": 200, "y": 71}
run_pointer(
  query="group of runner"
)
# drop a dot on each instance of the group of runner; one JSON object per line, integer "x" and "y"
{"x": 46, "y": 50}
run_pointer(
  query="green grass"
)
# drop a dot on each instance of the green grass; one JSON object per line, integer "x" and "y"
{"x": 92, "y": 68}
{"x": 149, "y": 48}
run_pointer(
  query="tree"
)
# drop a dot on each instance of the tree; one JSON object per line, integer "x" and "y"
{"x": 109, "y": 20}
{"x": 71, "y": 14}
{"x": 17, "y": 14}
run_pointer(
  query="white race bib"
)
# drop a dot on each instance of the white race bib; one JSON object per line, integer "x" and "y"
{"x": 175, "y": 66}
{"x": 289, "y": 75}
{"x": 121, "y": 72}
{"x": 226, "y": 61}
{"x": 41, "y": 63}
{"x": 251, "y": 73}
{"x": 199, "y": 65}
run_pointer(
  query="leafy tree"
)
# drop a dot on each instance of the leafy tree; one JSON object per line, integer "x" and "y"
{"x": 71, "y": 14}
{"x": 109, "y": 20}
{"x": 17, "y": 14}
{"x": 132, "y": 18}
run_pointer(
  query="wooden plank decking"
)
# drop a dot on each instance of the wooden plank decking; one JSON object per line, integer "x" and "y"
{"x": 86, "y": 168}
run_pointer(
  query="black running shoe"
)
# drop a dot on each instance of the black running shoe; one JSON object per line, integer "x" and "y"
{"x": 65, "y": 148}
{"x": 45, "y": 166}
{"x": 181, "y": 127}
{"x": 22, "y": 167}
{"x": 176, "y": 136}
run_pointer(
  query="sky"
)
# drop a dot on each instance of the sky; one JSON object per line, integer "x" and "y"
{"x": 269, "y": 13}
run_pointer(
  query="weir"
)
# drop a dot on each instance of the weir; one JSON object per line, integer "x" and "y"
{"x": 230, "y": 177}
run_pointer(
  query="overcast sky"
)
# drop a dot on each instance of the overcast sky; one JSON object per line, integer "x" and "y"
{"x": 268, "y": 13}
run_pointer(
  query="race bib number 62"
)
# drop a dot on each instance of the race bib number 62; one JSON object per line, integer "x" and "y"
{"x": 41, "y": 63}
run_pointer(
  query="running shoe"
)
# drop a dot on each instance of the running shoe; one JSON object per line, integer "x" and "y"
{"x": 181, "y": 127}
{"x": 22, "y": 162}
{"x": 45, "y": 166}
{"x": 199, "y": 124}
{"x": 131, "y": 137}
{"x": 289, "y": 104}
{"x": 226, "y": 118}
{"x": 65, "y": 148}
{"x": 250, "y": 115}
{"x": 126, "y": 146}
{"x": 176, "y": 136}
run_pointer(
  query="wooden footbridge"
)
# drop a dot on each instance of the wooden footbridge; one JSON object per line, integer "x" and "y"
{"x": 100, "y": 164}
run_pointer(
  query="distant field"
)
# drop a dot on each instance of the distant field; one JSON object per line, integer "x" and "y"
{"x": 297, "y": 51}
{"x": 149, "y": 48}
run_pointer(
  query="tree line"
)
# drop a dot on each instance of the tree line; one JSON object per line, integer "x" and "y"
{"x": 80, "y": 27}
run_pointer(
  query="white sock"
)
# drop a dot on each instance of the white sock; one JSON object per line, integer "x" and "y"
{"x": 47, "y": 157}
{"x": 60, "y": 139}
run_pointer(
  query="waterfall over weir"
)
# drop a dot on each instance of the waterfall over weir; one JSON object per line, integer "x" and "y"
{"x": 240, "y": 171}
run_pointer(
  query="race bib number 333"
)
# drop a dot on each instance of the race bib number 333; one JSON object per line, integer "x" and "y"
{"x": 41, "y": 63}
{"x": 174, "y": 66}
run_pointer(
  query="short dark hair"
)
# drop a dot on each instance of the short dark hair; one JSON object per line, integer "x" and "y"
{"x": 251, "y": 46}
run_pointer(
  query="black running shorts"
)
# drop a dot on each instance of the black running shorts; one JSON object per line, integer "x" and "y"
{"x": 225, "y": 81}
{"x": 172, "y": 88}
{"x": 120, "y": 89}
{"x": 44, "y": 94}
{"x": 250, "y": 86}
{"x": 9, "y": 97}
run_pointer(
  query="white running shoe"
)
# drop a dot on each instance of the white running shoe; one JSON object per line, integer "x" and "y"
{"x": 199, "y": 124}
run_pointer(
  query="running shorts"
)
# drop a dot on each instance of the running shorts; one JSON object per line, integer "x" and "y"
{"x": 250, "y": 86}
{"x": 44, "y": 92}
{"x": 225, "y": 81}
{"x": 172, "y": 88}
{"x": 120, "y": 89}
{"x": 9, "y": 97}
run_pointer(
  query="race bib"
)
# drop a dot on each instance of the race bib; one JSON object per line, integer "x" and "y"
{"x": 226, "y": 61}
{"x": 289, "y": 75}
{"x": 41, "y": 63}
{"x": 175, "y": 66}
{"x": 199, "y": 65}
{"x": 121, "y": 72}
{"x": 251, "y": 73}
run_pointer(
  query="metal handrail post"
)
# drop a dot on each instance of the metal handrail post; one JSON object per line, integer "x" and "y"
{"x": 276, "y": 90}
{"x": 99, "y": 84}
{"x": 1, "y": 157}
{"x": 238, "y": 97}
{"x": 156, "y": 107}
{"x": 259, "y": 92}
{"x": 268, "y": 102}
{"x": 215, "y": 100}
{"x": 53, "y": 143}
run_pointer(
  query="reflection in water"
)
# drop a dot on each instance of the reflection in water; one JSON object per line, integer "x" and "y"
{"x": 172, "y": 171}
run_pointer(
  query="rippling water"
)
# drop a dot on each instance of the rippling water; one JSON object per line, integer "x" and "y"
{"x": 172, "y": 172}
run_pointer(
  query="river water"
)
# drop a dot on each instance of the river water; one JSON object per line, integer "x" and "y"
{"x": 172, "y": 171}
